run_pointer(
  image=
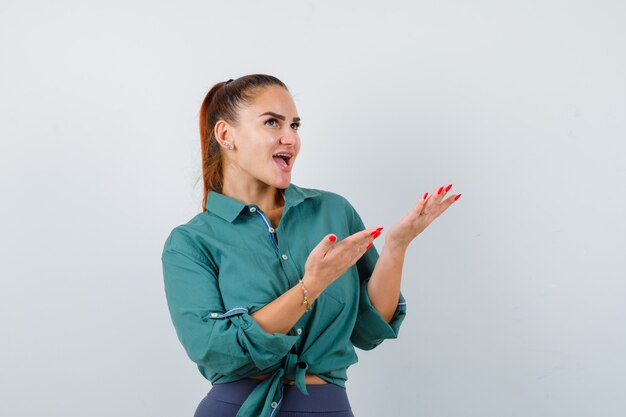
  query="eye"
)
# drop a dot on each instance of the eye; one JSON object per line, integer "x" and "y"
{"x": 294, "y": 126}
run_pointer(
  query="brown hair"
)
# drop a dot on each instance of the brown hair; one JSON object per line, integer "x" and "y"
{"x": 223, "y": 102}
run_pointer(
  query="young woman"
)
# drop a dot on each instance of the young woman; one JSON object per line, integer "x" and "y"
{"x": 272, "y": 286}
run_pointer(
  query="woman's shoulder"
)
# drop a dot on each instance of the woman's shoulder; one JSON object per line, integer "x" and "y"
{"x": 322, "y": 194}
{"x": 186, "y": 236}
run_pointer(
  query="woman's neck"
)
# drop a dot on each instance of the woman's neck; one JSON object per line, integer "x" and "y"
{"x": 264, "y": 196}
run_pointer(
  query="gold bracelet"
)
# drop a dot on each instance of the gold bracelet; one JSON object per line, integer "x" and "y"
{"x": 306, "y": 299}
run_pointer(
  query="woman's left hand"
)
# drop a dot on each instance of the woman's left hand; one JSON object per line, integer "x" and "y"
{"x": 427, "y": 209}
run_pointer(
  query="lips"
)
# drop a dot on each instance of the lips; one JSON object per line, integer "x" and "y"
{"x": 282, "y": 163}
{"x": 283, "y": 160}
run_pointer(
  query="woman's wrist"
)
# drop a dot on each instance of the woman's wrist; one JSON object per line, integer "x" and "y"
{"x": 396, "y": 246}
{"x": 314, "y": 287}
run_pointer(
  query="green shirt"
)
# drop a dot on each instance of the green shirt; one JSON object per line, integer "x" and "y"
{"x": 229, "y": 261}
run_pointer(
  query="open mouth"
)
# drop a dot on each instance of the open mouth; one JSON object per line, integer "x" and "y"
{"x": 283, "y": 160}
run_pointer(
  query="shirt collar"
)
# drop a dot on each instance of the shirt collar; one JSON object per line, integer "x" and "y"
{"x": 229, "y": 209}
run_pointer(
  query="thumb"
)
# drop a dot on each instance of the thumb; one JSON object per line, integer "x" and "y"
{"x": 326, "y": 243}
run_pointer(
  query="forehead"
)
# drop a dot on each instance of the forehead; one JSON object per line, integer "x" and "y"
{"x": 275, "y": 99}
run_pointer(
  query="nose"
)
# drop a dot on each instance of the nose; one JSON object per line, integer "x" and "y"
{"x": 289, "y": 138}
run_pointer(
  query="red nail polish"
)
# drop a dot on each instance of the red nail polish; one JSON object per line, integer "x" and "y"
{"x": 368, "y": 246}
{"x": 379, "y": 228}
{"x": 375, "y": 235}
{"x": 448, "y": 188}
{"x": 457, "y": 197}
{"x": 425, "y": 195}
{"x": 440, "y": 190}
{"x": 332, "y": 238}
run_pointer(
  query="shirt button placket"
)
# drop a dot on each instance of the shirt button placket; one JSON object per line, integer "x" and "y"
{"x": 288, "y": 270}
{"x": 289, "y": 267}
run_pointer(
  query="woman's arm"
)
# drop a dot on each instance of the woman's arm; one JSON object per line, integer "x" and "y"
{"x": 219, "y": 341}
{"x": 384, "y": 285}
{"x": 281, "y": 315}
{"x": 326, "y": 262}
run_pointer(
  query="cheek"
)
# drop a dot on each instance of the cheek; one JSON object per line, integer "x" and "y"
{"x": 251, "y": 160}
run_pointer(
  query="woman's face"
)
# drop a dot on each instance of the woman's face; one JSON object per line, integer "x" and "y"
{"x": 269, "y": 126}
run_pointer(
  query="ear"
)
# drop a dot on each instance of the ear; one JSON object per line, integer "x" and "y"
{"x": 224, "y": 133}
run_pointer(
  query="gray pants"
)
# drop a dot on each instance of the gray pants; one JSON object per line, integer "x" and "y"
{"x": 324, "y": 400}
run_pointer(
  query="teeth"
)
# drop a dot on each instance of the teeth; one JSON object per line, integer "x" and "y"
{"x": 283, "y": 154}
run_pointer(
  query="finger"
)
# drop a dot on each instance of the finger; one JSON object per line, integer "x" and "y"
{"x": 359, "y": 242}
{"x": 370, "y": 240}
{"x": 443, "y": 206}
{"x": 365, "y": 236}
{"x": 362, "y": 243}
{"x": 435, "y": 198}
{"x": 327, "y": 242}
{"x": 421, "y": 202}
{"x": 373, "y": 235}
{"x": 448, "y": 201}
{"x": 442, "y": 191}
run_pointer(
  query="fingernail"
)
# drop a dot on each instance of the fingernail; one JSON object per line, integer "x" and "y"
{"x": 448, "y": 188}
{"x": 368, "y": 246}
{"x": 379, "y": 228}
{"x": 457, "y": 197}
{"x": 425, "y": 195}
{"x": 375, "y": 235}
{"x": 332, "y": 238}
{"x": 440, "y": 190}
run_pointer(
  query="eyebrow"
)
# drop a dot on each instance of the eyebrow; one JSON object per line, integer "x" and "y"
{"x": 278, "y": 116}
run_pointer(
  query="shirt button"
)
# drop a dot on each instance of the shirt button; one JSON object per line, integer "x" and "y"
{"x": 213, "y": 314}
{"x": 299, "y": 330}
{"x": 252, "y": 209}
{"x": 274, "y": 404}
{"x": 285, "y": 257}
{"x": 271, "y": 229}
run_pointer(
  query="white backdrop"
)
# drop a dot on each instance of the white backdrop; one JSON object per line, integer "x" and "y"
{"x": 515, "y": 296}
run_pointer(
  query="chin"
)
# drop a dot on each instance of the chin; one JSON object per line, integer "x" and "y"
{"x": 281, "y": 183}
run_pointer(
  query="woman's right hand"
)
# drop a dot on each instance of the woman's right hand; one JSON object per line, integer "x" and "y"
{"x": 330, "y": 259}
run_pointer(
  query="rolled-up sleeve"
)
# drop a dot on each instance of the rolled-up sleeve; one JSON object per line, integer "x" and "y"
{"x": 371, "y": 329}
{"x": 227, "y": 342}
